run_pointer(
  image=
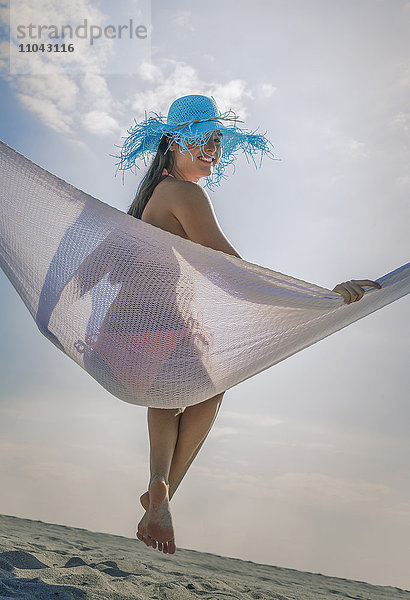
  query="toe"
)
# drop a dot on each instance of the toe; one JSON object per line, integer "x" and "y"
{"x": 160, "y": 546}
{"x": 142, "y": 539}
{"x": 171, "y": 547}
{"x": 165, "y": 548}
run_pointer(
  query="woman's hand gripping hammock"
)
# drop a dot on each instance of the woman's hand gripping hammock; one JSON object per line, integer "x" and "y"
{"x": 352, "y": 290}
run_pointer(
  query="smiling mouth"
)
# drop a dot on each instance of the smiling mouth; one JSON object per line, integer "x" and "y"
{"x": 206, "y": 160}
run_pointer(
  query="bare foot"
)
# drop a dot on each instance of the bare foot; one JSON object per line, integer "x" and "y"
{"x": 166, "y": 547}
{"x": 159, "y": 524}
{"x": 155, "y": 528}
{"x": 142, "y": 531}
{"x": 142, "y": 525}
{"x": 144, "y": 499}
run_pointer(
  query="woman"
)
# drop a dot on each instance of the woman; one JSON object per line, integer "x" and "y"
{"x": 191, "y": 145}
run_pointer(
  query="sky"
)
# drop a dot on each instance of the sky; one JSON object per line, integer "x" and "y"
{"x": 307, "y": 465}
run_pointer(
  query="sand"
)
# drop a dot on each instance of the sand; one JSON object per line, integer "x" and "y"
{"x": 44, "y": 561}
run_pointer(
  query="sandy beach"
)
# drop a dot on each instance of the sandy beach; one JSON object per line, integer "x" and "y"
{"x": 42, "y": 561}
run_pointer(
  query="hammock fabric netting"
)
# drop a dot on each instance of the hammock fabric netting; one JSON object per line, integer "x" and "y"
{"x": 156, "y": 319}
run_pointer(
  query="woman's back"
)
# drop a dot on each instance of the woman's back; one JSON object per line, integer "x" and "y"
{"x": 184, "y": 208}
{"x": 158, "y": 210}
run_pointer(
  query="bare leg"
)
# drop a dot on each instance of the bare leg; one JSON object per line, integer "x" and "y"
{"x": 194, "y": 425}
{"x": 156, "y": 525}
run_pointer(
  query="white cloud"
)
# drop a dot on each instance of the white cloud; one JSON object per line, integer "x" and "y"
{"x": 79, "y": 102}
{"x": 404, "y": 75}
{"x": 176, "y": 78}
{"x": 43, "y": 13}
{"x": 208, "y": 57}
{"x": 402, "y": 121}
{"x": 99, "y": 122}
{"x": 4, "y": 60}
{"x": 67, "y": 103}
{"x": 340, "y": 143}
{"x": 231, "y": 95}
{"x": 404, "y": 182}
{"x": 52, "y": 99}
{"x": 356, "y": 148}
{"x": 47, "y": 112}
{"x": 4, "y": 14}
{"x": 148, "y": 71}
{"x": 184, "y": 19}
{"x": 267, "y": 90}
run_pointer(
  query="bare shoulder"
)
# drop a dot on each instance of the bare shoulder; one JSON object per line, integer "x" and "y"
{"x": 186, "y": 198}
{"x": 171, "y": 191}
{"x": 182, "y": 197}
{"x": 178, "y": 189}
{"x": 192, "y": 207}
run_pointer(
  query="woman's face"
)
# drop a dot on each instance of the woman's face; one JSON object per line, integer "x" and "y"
{"x": 198, "y": 161}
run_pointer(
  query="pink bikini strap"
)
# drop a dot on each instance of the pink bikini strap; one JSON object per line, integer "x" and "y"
{"x": 165, "y": 172}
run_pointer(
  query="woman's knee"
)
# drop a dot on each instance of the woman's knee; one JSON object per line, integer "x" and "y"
{"x": 216, "y": 398}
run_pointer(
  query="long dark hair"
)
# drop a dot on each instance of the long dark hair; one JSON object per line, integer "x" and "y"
{"x": 152, "y": 178}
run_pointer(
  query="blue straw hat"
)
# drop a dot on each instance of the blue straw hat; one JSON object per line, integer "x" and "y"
{"x": 192, "y": 119}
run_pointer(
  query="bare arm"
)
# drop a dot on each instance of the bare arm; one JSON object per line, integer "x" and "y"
{"x": 191, "y": 205}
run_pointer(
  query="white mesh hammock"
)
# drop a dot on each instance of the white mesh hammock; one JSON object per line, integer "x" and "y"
{"x": 156, "y": 319}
